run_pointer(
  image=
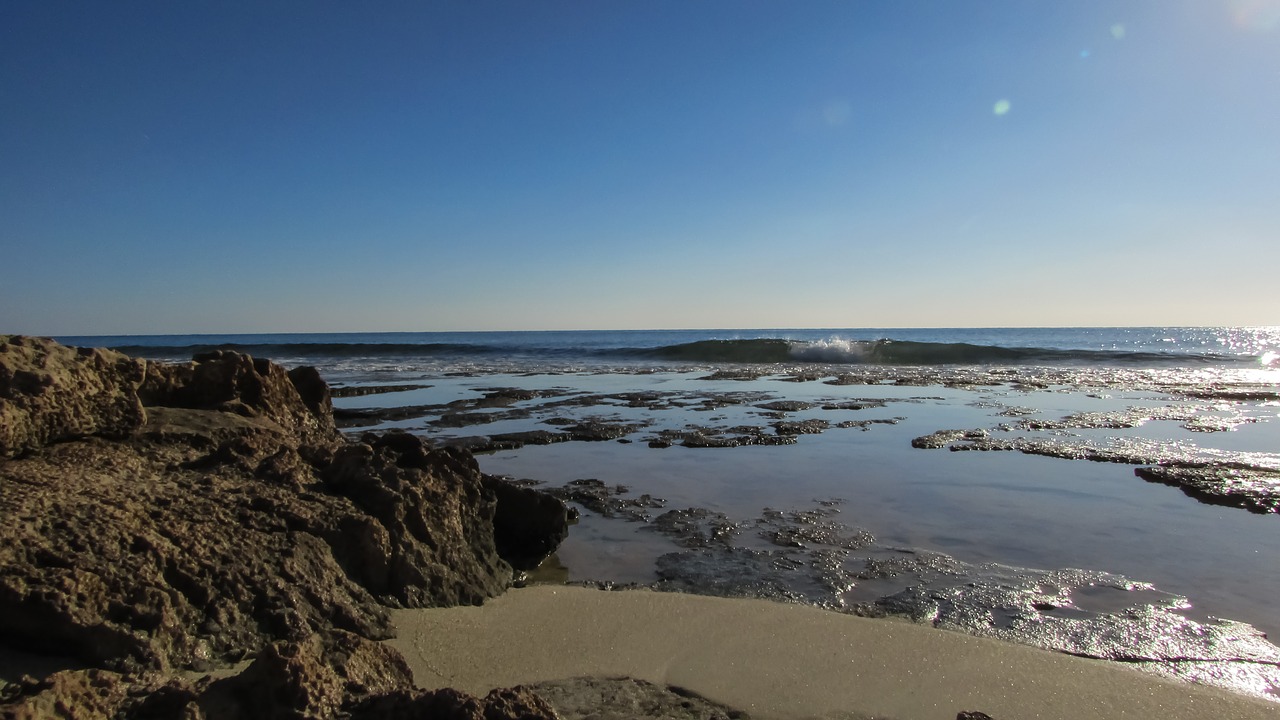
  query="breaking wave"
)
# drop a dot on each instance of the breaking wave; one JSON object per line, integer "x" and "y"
{"x": 904, "y": 352}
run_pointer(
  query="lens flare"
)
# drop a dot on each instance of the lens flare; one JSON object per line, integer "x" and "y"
{"x": 837, "y": 113}
{"x": 1256, "y": 15}
{"x": 1002, "y": 107}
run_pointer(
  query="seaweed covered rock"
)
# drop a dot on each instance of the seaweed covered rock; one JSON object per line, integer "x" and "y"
{"x": 157, "y": 516}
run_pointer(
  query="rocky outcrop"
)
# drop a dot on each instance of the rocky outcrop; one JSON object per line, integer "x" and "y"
{"x": 297, "y": 400}
{"x": 429, "y": 534}
{"x": 518, "y": 703}
{"x": 1253, "y": 488}
{"x": 520, "y": 523}
{"x": 156, "y": 517}
{"x": 622, "y": 698}
{"x": 943, "y": 438}
{"x": 50, "y": 393}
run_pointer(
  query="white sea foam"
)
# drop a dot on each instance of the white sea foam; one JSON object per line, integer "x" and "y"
{"x": 832, "y": 350}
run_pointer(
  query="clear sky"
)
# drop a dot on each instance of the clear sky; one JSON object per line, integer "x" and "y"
{"x": 195, "y": 166}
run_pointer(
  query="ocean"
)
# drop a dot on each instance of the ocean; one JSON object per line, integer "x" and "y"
{"x": 354, "y": 353}
{"x": 1109, "y": 492}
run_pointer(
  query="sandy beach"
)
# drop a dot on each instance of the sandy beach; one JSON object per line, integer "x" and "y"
{"x": 777, "y": 660}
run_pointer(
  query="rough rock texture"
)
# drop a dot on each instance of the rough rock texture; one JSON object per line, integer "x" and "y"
{"x": 163, "y": 553}
{"x": 943, "y": 438}
{"x": 71, "y": 694}
{"x": 517, "y": 703}
{"x": 597, "y": 698}
{"x": 1254, "y": 489}
{"x": 156, "y": 517}
{"x": 50, "y": 393}
{"x": 314, "y": 677}
{"x": 429, "y": 539}
{"x": 297, "y": 400}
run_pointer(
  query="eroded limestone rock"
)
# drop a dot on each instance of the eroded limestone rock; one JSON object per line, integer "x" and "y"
{"x": 297, "y": 400}
{"x": 595, "y": 698}
{"x": 227, "y": 515}
{"x": 50, "y": 393}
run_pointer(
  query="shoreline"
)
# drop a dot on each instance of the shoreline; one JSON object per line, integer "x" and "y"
{"x": 153, "y": 483}
{"x": 778, "y": 660}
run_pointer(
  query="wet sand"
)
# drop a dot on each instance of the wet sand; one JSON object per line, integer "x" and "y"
{"x": 777, "y": 660}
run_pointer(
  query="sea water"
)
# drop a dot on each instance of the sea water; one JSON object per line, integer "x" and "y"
{"x": 534, "y": 351}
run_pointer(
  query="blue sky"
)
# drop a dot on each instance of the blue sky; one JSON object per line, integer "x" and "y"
{"x": 217, "y": 167}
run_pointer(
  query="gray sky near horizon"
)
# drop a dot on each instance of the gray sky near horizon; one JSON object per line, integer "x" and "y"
{"x": 312, "y": 166}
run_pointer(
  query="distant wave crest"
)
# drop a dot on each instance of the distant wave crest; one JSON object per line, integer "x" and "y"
{"x": 900, "y": 352}
{"x": 834, "y": 351}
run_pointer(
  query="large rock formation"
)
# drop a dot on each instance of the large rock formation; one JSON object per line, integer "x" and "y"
{"x": 157, "y": 517}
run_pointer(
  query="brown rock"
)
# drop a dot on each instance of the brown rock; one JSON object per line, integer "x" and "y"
{"x": 50, "y": 393}
{"x": 298, "y": 400}
{"x": 433, "y": 541}
{"x": 314, "y": 677}
{"x": 100, "y": 694}
{"x": 226, "y": 520}
{"x": 71, "y": 694}
{"x": 145, "y": 554}
{"x": 233, "y": 518}
{"x": 623, "y": 698}
{"x": 518, "y": 703}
